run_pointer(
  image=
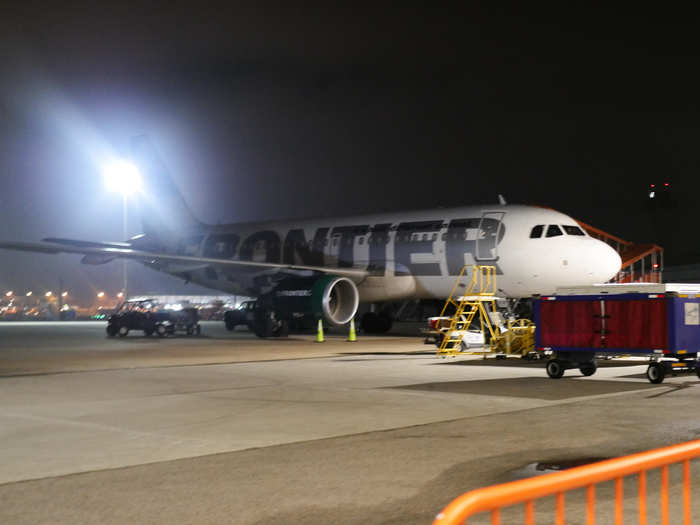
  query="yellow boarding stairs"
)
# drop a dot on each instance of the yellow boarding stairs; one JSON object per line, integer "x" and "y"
{"x": 479, "y": 298}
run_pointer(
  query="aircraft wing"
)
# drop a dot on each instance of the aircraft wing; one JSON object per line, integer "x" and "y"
{"x": 104, "y": 252}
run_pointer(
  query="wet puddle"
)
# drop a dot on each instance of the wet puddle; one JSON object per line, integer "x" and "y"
{"x": 547, "y": 467}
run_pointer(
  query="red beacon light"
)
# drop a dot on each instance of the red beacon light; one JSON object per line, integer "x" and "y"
{"x": 666, "y": 184}
{"x": 652, "y": 185}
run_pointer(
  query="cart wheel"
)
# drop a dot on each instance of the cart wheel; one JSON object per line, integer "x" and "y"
{"x": 555, "y": 368}
{"x": 123, "y": 331}
{"x": 656, "y": 373}
{"x": 588, "y": 369}
{"x": 160, "y": 330}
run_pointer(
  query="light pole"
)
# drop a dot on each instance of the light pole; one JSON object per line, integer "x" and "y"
{"x": 124, "y": 177}
{"x": 125, "y": 235}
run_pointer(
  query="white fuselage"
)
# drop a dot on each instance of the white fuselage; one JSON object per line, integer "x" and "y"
{"x": 417, "y": 254}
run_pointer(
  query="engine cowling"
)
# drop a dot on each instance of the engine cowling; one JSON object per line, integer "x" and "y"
{"x": 335, "y": 298}
{"x": 330, "y": 297}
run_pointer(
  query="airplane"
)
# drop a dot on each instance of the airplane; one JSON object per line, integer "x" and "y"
{"x": 332, "y": 265}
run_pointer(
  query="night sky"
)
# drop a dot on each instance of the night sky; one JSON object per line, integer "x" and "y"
{"x": 276, "y": 112}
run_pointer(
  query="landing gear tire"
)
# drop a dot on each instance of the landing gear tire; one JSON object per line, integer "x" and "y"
{"x": 555, "y": 368}
{"x": 123, "y": 331}
{"x": 282, "y": 330}
{"x": 264, "y": 324}
{"x": 656, "y": 373}
{"x": 588, "y": 369}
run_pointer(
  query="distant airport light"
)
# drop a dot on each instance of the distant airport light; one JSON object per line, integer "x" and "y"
{"x": 64, "y": 294}
{"x": 120, "y": 295}
{"x": 48, "y": 294}
{"x": 665, "y": 183}
{"x": 656, "y": 265}
{"x": 652, "y": 185}
{"x": 122, "y": 176}
{"x": 100, "y": 295}
{"x": 28, "y": 294}
{"x": 652, "y": 194}
{"x": 9, "y": 294}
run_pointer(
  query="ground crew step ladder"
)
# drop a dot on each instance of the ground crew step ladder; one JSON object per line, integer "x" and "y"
{"x": 478, "y": 298}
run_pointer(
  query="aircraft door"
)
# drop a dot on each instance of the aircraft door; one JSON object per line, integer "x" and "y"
{"x": 333, "y": 251}
{"x": 490, "y": 233}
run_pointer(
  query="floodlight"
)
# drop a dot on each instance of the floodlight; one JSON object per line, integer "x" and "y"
{"x": 100, "y": 295}
{"x": 122, "y": 176}
{"x": 9, "y": 294}
{"x": 29, "y": 294}
{"x": 64, "y": 294}
{"x": 48, "y": 294}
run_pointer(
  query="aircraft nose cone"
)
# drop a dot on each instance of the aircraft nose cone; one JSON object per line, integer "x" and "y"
{"x": 608, "y": 262}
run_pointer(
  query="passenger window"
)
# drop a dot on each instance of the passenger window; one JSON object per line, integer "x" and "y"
{"x": 536, "y": 232}
{"x": 553, "y": 230}
{"x": 573, "y": 230}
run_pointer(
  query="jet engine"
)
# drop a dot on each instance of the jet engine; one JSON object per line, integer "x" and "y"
{"x": 298, "y": 302}
{"x": 335, "y": 298}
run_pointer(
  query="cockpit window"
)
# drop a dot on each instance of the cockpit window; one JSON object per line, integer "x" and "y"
{"x": 553, "y": 230}
{"x": 536, "y": 232}
{"x": 573, "y": 230}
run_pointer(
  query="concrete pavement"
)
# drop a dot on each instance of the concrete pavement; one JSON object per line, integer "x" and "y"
{"x": 198, "y": 431}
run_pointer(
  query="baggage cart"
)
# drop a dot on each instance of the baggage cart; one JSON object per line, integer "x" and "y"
{"x": 658, "y": 321}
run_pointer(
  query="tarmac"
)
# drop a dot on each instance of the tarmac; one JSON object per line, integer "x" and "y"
{"x": 228, "y": 428}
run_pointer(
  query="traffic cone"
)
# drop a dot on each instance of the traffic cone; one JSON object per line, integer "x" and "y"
{"x": 319, "y": 332}
{"x": 353, "y": 336}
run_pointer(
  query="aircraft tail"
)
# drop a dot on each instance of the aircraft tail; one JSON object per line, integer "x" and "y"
{"x": 163, "y": 210}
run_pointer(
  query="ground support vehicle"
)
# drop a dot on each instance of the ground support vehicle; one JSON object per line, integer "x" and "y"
{"x": 476, "y": 321}
{"x": 241, "y": 316}
{"x": 149, "y": 316}
{"x": 469, "y": 338}
{"x": 512, "y": 338}
{"x": 658, "y": 321}
{"x": 184, "y": 320}
{"x": 516, "y": 338}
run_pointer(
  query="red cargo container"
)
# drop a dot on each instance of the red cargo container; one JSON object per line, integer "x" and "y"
{"x": 659, "y": 320}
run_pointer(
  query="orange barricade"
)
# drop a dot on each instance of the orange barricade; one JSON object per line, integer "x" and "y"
{"x": 528, "y": 490}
